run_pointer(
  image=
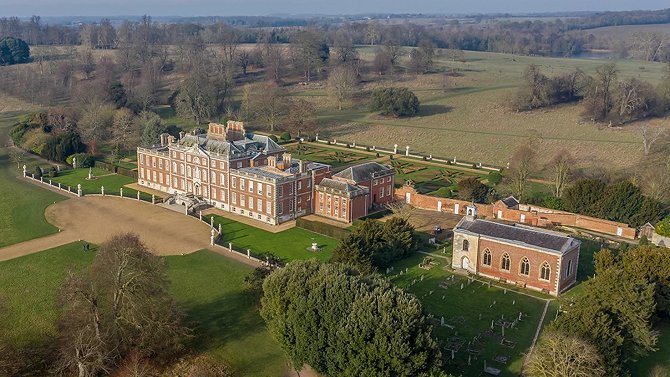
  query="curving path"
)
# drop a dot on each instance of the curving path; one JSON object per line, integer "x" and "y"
{"x": 96, "y": 218}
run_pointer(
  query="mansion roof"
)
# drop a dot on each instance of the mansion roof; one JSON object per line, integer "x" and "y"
{"x": 277, "y": 174}
{"x": 364, "y": 172}
{"x": 250, "y": 145}
{"x": 523, "y": 236}
{"x": 342, "y": 188}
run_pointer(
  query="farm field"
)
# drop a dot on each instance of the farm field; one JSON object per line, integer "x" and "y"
{"x": 208, "y": 286}
{"x": 626, "y": 31}
{"x": 468, "y": 314}
{"x": 466, "y": 115}
{"x": 288, "y": 245}
{"x": 22, "y": 205}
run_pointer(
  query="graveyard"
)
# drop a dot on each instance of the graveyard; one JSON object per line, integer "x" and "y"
{"x": 477, "y": 323}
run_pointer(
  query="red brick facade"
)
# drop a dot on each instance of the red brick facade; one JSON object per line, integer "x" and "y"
{"x": 531, "y": 215}
{"x": 250, "y": 176}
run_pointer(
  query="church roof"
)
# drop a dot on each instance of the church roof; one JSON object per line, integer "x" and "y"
{"x": 364, "y": 172}
{"x": 524, "y": 236}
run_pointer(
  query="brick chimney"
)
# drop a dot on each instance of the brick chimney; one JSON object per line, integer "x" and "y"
{"x": 286, "y": 157}
{"x": 235, "y": 131}
{"x": 302, "y": 166}
{"x": 164, "y": 138}
{"x": 272, "y": 162}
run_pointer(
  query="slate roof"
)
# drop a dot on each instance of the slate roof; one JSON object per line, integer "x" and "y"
{"x": 251, "y": 144}
{"x": 342, "y": 187}
{"x": 524, "y": 236}
{"x": 510, "y": 202}
{"x": 364, "y": 172}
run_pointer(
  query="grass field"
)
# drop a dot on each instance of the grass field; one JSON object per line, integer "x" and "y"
{"x": 288, "y": 245}
{"x": 461, "y": 309}
{"x": 208, "y": 286}
{"x": 29, "y": 288}
{"x": 22, "y": 205}
{"x": 467, "y": 115}
{"x": 227, "y": 324}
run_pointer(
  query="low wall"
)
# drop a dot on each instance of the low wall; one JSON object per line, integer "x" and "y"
{"x": 530, "y": 215}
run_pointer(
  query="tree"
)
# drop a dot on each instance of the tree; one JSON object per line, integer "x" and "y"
{"x": 95, "y": 123}
{"x": 535, "y": 91}
{"x": 650, "y": 135}
{"x": 395, "y": 101}
{"x": 310, "y": 50}
{"x": 663, "y": 227}
{"x": 421, "y": 59}
{"x": 376, "y": 245}
{"x": 124, "y": 130}
{"x": 265, "y": 103}
{"x": 345, "y": 324}
{"x": 17, "y": 155}
{"x": 621, "y": 202}
{"x": 197, "y": 98}
{"x": 87, "y": 64}
{"x": 522, "y": 165}
{"x": 652, "y": 264}
{"x": 614, "y": 314}
{"x": 599, "y": 98}
{"x": 561, "y": 355}
{"x": 152, "y": 127}
{"x": 13, "y": 51}
{"x": 473, "y": 189}
{"x": 301, "y": 117}
{"x": 584, "y": 196}
{"x": 341, "y": 84}
{"x": 381, "y": 61}
{"x": 118, "y": 306}
{"x": 561, "y": 172}
{"x": 243, "y": 60}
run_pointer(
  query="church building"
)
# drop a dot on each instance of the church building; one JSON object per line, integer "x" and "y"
{"x": 515, "y": 254}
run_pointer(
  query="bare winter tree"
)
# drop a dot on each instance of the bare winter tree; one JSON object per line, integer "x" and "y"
{"x": 560, "y": 169}
{"x": 265, "y": 103}
{"x": 341, "y": 84}
{"x": 560, "y": 355}
{"x": 120, "y": 306}
{"x": 17, "y": 155}
{"x": 400, "y": 209}
{"x": 521, "y": 166}
{"x": 650, "y": 135}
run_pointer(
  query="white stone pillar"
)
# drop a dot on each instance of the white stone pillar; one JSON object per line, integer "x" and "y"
{"x": 24, "y": 170}
{"x": 42, "y": 179}
{"x": 102, "y": 190}
{"x": 211, "y": 222}
{"x": 59, "y": 186}
{"x": 121, "y": 192}
{"x": 395, "y": 148}
{"x": 200, "y": 215}
{"x": 248, "y": 254}
{"x": 49, "y": 182}
{"x": 153, "y": 199}
{"x": 219, "y": 228}
{"x": 407, "y": 150}
{"x": 79, "y": 193}
{"x": 230, "y": 246}
{"x": 211, "y": 238}
{"x": 353, "y": 144}
{"x": 138, "y": 195}
{"x": 316, "y": 137}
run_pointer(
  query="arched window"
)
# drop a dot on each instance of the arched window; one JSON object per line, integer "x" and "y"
{"x": 466, "y": 245}
{"x": 545, "y": 271}
{"x": 568, "y": 268}
{"x": 505, "y": 262}
{"x": 487, "y": 257}
{"x": 524, "y": 269}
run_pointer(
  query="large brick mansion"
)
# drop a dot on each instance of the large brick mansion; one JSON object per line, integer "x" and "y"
{"x": 253, "y": 176}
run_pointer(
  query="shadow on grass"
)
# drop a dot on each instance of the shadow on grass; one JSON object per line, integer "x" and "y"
{"x": 427, "y": 110}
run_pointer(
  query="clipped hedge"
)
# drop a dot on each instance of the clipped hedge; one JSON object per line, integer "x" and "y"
{"x": 322, "y": 228}
{"x": 105, "y": 166}
{"x": 126, "y": 172}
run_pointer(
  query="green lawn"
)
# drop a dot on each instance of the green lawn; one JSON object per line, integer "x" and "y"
{"x": 111, "y": 181}
{"x": 22, "y": 205}
{"x": 29, "y": 289}
{"x": 461, "y": 308}
{"x": 291, "y": 244}
{"x": 210, "y": 288}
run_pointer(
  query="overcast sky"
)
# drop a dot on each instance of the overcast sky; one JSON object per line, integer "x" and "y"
{"x": 266, "y": 7}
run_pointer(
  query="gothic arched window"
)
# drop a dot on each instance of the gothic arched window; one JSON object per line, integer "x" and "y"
{"x": 466, "y": 245}
{"x": 524, "y": 269}
{"x": 545, "y": 271}
{"x": 505, "y": 262}
{"x": 487, "y": 257}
